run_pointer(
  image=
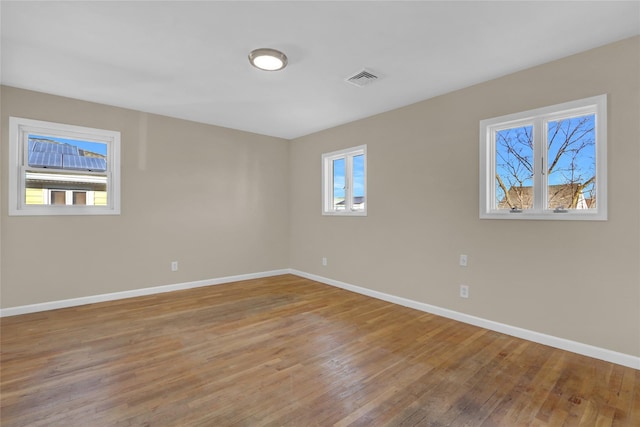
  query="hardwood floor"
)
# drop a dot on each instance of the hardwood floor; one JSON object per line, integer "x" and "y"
{"x": 287, "y": 351}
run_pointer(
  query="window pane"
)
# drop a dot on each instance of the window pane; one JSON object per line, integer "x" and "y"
{"x": 59, "y": 163}
{"x": 358, "y": 182}
{"x": 58, "y": 197}
{"x": 39, "y": 183}
{"x": 338, "y": 184}
{"x": 514, "y": 168}
{"x": 79, "y": 198}
{"x": 571, "y": 145}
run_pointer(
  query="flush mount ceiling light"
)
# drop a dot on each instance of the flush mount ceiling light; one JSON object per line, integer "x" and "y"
{"x": 268, "y": 59}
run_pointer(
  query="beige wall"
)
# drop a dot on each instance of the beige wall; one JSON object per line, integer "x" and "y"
{"x": 211, "y": 198}
{"x": 576, "y": 280}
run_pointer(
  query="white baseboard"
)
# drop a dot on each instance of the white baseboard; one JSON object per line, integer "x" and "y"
{"x": 561, "y": 343}
{"x": 32, "y": 308}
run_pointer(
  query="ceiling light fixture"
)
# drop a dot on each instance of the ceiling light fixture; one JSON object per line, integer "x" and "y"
{"x": 268, "y": 59}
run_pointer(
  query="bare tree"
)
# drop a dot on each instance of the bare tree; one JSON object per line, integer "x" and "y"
{"x": 514, "y": 160}
{"x": 570, "y": 154}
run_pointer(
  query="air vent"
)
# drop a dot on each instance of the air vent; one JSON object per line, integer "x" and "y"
{"x": 362, "y": 78}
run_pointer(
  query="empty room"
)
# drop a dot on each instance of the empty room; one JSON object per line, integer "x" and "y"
{"x": 320, "y": 213}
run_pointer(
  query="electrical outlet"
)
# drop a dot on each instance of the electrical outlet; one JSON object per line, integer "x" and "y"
{"x": 174, "y": 265}
{"x": 463, "y": 260}
{"x": 464, "y": 291}
{"x": 324, "y": 261}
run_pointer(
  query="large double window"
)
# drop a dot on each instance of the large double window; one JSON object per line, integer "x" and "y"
{"x": 59, "y": 169}
{"x": 548, "y": 163}
{"x": 344, "y": 178}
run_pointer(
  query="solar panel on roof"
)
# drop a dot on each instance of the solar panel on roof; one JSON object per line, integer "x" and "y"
{"x": 48, "y": 154}
{"x": 70, "y": 149}
{"x": 46, "y": 147}
{"x": 84, "y": 163}
{"x": 45, "y": 160}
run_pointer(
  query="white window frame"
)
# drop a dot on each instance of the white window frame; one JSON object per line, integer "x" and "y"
{"x": 19, "y": 130}
{"x": 539, "y": 118}
{"x": 327, "y": 181}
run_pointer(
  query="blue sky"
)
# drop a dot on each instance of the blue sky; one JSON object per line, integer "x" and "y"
{"x": 358, "y": 177}
{"x": 584, "y": 160}
{"x": 577, "y": 164}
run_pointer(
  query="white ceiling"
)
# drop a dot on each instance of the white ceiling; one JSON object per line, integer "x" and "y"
{"x": 189, "y": 59}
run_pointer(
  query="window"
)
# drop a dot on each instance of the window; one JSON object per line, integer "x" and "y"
{"x": 344, "y": 182}
{"x": 58, "y": 169}
{"x": 548, "y": 163}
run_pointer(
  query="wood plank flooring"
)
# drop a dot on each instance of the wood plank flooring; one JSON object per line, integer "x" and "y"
{"x": 287, "y": 351}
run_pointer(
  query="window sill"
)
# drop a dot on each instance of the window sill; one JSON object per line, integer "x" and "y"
{"x": 63, "y": 210}
{"x": 546, "y": 215}
{"x": 352, "y": 213}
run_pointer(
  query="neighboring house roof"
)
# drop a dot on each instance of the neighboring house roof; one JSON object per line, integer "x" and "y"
{"x": 44, "y": 153}
{"x": 357, "y": 200}
{"x": 560, "y": 196}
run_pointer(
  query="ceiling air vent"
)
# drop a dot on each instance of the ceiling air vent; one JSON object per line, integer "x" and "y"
{"x": 362, "y": 78}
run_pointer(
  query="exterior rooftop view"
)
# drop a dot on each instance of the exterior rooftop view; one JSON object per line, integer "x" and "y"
{"x": 563, "y": 196}
{"x": 61, "y": 181}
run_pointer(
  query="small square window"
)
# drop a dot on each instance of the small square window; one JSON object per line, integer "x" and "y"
{"x": 344, "y": 178}
{"x": 548, "y": 163}
{"x": 59, "y": 169}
